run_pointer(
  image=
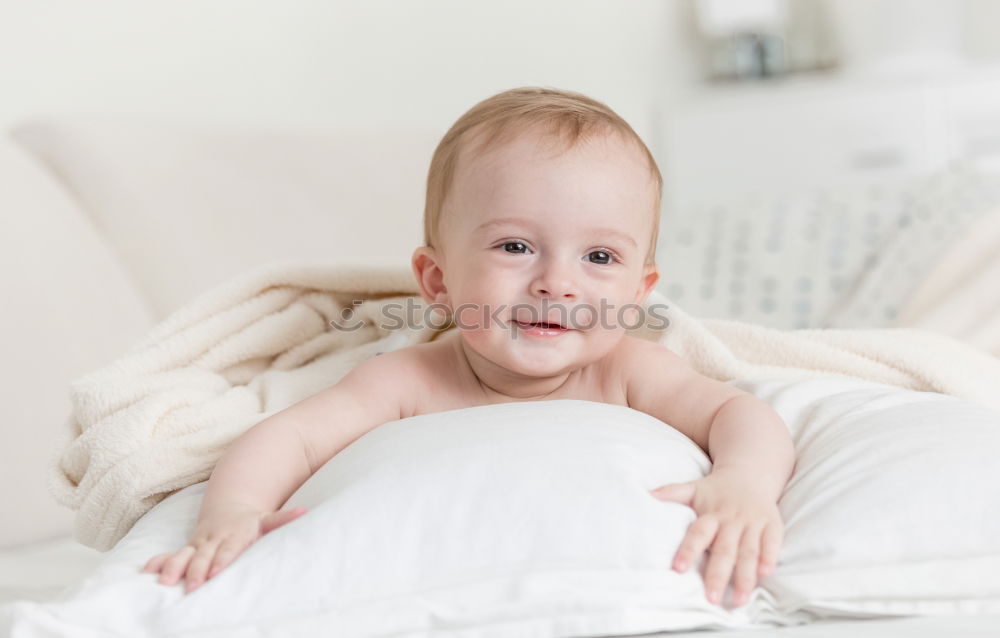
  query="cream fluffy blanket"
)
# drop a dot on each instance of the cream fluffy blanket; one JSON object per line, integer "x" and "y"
{"x": 158, "y": 418}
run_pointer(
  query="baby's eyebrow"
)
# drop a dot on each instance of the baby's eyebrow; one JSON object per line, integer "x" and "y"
{"x": 523, "y": 221}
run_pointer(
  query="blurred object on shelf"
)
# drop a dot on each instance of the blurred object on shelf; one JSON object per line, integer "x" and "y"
{"x": 761, "y": 39}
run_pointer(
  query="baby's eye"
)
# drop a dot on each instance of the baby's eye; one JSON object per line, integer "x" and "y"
{"x": 515, "y": 247}
{"x": 602, "y": 257}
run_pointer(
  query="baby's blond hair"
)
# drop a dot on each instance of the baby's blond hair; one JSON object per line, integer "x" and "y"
{"x": 500, "y": 118}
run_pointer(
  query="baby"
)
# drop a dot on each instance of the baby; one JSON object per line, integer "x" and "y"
{"x": 540, "y": 226}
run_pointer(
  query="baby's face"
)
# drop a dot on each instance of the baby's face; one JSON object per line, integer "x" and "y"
{"x": 530, "y": 234}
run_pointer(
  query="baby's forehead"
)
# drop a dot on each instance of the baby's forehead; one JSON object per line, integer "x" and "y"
{"x": 490, "y": 147}
{"x": 515, "y": 173}
{"x": 499, "y": 176}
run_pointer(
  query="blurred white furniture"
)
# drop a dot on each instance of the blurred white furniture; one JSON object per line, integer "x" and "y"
{"x": 110, "y": 226}
{"x": 822, "y": 129}
{"x": 782, "y": 197}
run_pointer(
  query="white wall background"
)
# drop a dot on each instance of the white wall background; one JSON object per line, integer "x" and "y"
{"x": 356, "y": 63}
{"x": 322, "y": 62}
{"x": 980, "y": 23}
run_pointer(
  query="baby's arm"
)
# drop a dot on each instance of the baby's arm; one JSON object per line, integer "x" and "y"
{"x": 752, "y": 459}
{"x": 271, "y": 460}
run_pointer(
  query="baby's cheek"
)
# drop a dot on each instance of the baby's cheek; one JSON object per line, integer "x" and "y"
{"x": 474, "y": 317}
{"x": 484, "y": 343}
{"x": 610, "y": 315}
{"x": 631, "y": 318}
{"x": 625, "y": 315}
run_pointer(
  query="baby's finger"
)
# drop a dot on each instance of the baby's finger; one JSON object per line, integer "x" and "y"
{"x": 199, "y": 566}
{"x": 770, "y": 547}
{"x": 174, "y": 567}
{"x": 746, "y": 564}
{"x": 154, "y": 564}
{"x": 225, "y": 554}
{"x": 699, "y": 535}
{"x": 721, "y": 559}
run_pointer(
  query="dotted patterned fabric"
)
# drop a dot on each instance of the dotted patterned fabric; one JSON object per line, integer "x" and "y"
{"x": 840, "y": 256}
{"x": 935, "y": 213}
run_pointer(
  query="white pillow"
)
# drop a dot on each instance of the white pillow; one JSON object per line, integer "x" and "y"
{"x": 531, "y": 518}
{"x": 69, "y": 307}
{"x": 190, "y": 206}
{"x": 534, "y": 518}
{"x": 892, "y": 508}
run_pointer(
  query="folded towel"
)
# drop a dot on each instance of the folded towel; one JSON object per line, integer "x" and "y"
{"x": 157, "y": 419}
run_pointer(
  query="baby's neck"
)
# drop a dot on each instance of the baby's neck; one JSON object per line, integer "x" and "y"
{"x": 500, "y": 384}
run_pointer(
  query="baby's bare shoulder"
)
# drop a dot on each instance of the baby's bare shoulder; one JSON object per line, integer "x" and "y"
{"x": 616, "y": 371}
{"x": 414, "y": 373}
{"x": 633, "y": 353}
{"x": 424, "y": 357}
{"x": 661, "y": 383}
{"x": 651, "y": 370}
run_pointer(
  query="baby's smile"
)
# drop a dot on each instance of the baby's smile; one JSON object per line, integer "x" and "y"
{"x": 541, "y": 329}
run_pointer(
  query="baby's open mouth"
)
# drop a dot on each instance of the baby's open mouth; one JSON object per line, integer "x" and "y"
{"x": 540, "y": 324}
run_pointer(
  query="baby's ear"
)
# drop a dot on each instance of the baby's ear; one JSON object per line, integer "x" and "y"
{"x": 650, "y": 275}
{"x": 430, "y": 276}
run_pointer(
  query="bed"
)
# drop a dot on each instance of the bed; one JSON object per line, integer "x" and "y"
{"x": 151, "y": 212}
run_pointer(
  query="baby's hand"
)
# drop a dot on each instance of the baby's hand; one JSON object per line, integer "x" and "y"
{"x": 731, "y": 515}
{"x": 218, "y": 539}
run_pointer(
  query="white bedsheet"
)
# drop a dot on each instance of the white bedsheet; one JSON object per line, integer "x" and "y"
{"x": 39, "y": 571}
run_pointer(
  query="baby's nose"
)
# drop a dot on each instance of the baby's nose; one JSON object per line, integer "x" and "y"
{"x": 555, "y": 278}
{"x": 561, "y": 288}
{"x": 551, "y": 293}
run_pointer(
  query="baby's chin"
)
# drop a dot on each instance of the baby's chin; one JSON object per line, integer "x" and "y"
{"x": 541, "y": 367}
{"x": 531, "y": 360}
